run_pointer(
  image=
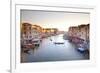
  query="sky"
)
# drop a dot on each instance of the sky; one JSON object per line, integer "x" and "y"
{"x": 51, "y": 19}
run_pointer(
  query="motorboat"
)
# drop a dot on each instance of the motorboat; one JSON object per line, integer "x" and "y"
{"x": 58, "y": 42}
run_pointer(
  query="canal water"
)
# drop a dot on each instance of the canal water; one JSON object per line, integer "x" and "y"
{"x": 49, "y": 51}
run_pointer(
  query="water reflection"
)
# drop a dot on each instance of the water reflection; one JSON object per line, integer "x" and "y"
{"x": 49, "y": 51}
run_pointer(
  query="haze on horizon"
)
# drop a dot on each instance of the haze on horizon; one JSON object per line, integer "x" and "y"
{"x": 51, "y": 19}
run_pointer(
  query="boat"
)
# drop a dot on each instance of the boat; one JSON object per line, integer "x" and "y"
{"x": 58, "y": 42}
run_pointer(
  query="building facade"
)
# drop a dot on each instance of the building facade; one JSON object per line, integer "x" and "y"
{"x": 81, "y": 31}
{"x": 26, "y": 31}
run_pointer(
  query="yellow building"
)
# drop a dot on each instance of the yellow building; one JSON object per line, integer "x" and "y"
{"x": 26, "y": 30}
{"x": 37, "y": 27}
